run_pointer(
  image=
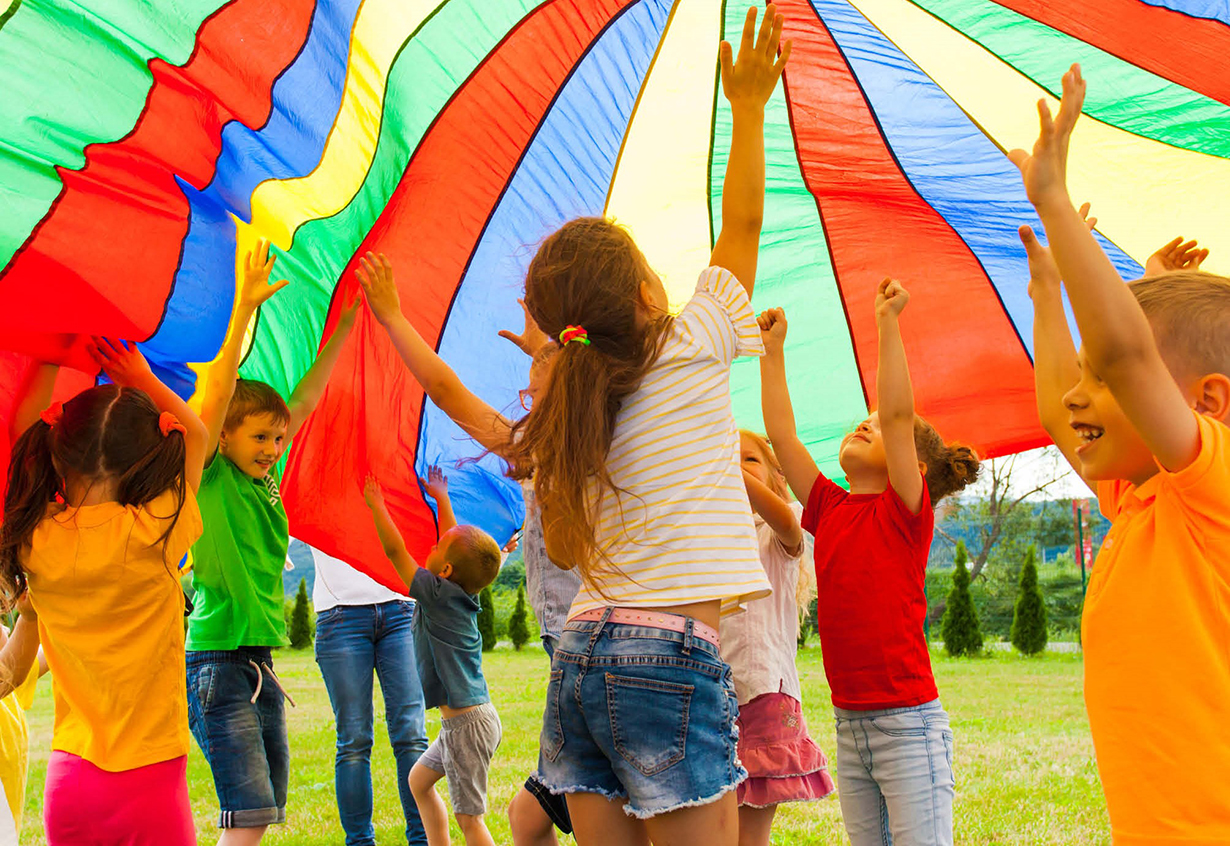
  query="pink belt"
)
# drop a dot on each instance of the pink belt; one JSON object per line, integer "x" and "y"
{"x": 652, "y": 619}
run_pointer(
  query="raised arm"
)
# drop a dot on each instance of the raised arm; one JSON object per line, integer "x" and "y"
{"x": 440, "y": 383}
{"x": 747, "y": 82}
{"x": 306, "y": 395}
{"x": 776, "y": 513}
{"x": 220, "y": 384}
{"x": 1118, "y": 340}
{"x": 798, "y": 465}
{"x": 19, "y": 650}
{"x": 436, "y": 486}
{"x": 895, "y": 396}
{"x": 32, "y": 397}
{"x": 125, "y": 366}
{"x": 390, "y": 539}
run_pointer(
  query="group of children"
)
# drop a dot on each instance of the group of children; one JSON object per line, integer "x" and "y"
{"x": 665, "y": 556}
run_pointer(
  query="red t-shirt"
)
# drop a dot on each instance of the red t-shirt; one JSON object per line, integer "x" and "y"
{"x": 871, "y": 562}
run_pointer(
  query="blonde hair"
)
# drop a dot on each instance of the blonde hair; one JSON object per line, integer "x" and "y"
{"x": 475, "y": 557}
{"x": 1189, "y": 312}
{"x": 805, "y": 589}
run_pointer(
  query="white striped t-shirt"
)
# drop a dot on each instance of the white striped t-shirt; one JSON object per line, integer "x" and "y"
{"x": 681, "y": 531}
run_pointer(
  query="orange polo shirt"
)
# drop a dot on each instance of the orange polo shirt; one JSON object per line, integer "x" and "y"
{"x": 1156, "y": 635}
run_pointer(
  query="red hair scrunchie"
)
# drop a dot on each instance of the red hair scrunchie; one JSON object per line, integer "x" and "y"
{"x": 168, "y": 423}
{"x": 51, "y": 414}
{"x": 573, "y": 333}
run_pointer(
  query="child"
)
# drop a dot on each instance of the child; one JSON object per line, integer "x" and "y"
{"x": 235, "y": 700}
{"x": 1141, "y": 413}
{"x": 783, "y": 763}
{"x": 633, "y": 452}
{"x": 448, "y": 649}
{"x": 894, "y": 746}
{"x": 534, "y": 812}
{"x": 101, "y": 507}
{"x": 18, "y": 654}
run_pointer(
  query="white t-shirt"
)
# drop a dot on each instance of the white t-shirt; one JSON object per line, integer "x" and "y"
{"x": 760, "y": 644}
{"x": 681, "y": 530}
{"x": 337, "y": 583}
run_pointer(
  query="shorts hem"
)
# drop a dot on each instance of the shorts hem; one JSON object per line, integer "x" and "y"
{"x": 252, "y": 818}
{"x": 649, "y": 813}
{"x": 581, "y": 788}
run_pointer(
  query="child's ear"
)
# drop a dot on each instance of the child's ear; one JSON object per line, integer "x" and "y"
{"x": 447, "y": 572}
{"x": 1213, "y": 396}
{"x": 922, "y": 468}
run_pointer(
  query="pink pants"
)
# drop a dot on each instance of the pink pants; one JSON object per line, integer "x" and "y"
{"x": 86, "y": 806}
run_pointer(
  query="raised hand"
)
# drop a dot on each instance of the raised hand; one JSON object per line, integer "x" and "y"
{"x": 772, "y": 329}
{"x": 1043, "y": 272}
{"x": 256, "y": 269}
{"x": 375, "y": 274}
{"x": 532, "y": 339}
{"x": 372, "y": 494}
{"x": 436, "y": 483}
{"x": 891, "y": 298}
{"x": 350, "y": 309}
{"x": 1177, "y": 255}
{"x": 1045, "y": 171}
{"x": 749, "y": 78}
{"x": 120, "y": 360}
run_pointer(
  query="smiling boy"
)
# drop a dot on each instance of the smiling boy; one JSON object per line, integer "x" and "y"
{"x": 1141, "y": 413}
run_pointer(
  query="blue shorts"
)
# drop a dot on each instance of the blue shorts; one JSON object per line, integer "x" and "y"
{"x": 640, "y": 713}
{"x": 243, "y": 741}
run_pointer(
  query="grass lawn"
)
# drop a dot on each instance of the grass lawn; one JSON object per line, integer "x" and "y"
{"x": 1024, "y": 760}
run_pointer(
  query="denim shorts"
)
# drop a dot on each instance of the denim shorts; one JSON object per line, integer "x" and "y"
{"x": 640, "y": 713}
{"x": 243, "y": 741}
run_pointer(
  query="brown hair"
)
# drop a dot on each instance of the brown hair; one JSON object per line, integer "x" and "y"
{"x": 1190, "y": 315}
{"x": 589, "y": 274}
{"x": 252, "y": 397}
{"x": 950, "y": 467}
{"x": 105, "y": 432}
{"x": 475, "y": 557}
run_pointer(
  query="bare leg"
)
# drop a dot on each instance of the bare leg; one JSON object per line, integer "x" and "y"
{"x": 528, "y": 822}
{"x": 431, "y": 807}
{"x": 598, "y": 821}
{"x": 715, "y": 824}
{"x": 474, "y": 830}
{"x": 242, "y": 836}
{"x": 755, "y": 825}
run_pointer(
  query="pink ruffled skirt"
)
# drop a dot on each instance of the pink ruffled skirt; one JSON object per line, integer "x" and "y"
{"x": 783, "y": 763}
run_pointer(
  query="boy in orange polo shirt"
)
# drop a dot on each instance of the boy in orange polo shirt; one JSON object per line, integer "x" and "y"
{"x": 1141, "y": 413}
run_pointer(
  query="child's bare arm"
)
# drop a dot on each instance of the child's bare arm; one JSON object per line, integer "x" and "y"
{"x": 20, "y": 650}
{"x": 306, "y": 395}
{"x": 748, "y": 82}
{"x": 220, "y": 385}
{"x": 776, "y": 513}
{"x": 390, "y": 539}
{"x": 436, "y": 485}
{"x": 1118, "y": 340}
{"x": 895, "y": 394}
{"x": 798, "y": 465}
{"x": 440, "y": 383}
{"x": 125, "y": 366}
{"x": 33, "y": 396}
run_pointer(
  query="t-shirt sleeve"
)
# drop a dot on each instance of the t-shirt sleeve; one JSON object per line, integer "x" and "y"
{"x": 825, "y": 493}
{"x": 720, "y": 318}
{"x": 1204, "y": 484}
{"x": 915, "y": 528}
{"x": 153, "y": 518}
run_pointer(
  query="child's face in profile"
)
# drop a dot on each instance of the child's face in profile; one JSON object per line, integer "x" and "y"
{"x": 255, "y": 445}
{"x": 437, "y": 560}
{"x": 862, "y": 450}
{"x": 1110, "y": 447}
{"x": 751, "y": 459}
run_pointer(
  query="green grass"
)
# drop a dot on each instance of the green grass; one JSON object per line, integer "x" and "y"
{"x": 1024, "y": 760}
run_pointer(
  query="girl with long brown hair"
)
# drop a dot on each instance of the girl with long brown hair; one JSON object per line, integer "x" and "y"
{"x": 633, "y": 452}
{"x": 99, "y": 510}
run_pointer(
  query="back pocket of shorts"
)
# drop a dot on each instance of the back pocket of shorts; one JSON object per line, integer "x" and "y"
{"x": 552, "y": 739}
{"x": 649, "y": 721}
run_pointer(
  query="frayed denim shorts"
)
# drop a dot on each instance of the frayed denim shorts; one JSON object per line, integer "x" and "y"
{"x": 641, "y": 713}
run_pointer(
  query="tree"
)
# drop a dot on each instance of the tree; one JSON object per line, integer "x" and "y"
{"x": 486, "y": 618}
{"x": 300, "y": 621}
{"x": 518, "y": 626}
{"x": 1029, "y": 613}
{"x": 960, "y": 625}
{"x": 511, "y": 575}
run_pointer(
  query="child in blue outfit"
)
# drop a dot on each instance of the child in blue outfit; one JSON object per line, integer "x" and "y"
{"x": 448, "y": 650}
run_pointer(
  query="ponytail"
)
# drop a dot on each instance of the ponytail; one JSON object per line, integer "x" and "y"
{"x": 950, "y": 468}
{"x": 32, "y": 486}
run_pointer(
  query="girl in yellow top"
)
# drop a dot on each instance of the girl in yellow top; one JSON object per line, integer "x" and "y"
{"x": 99, "y": 511}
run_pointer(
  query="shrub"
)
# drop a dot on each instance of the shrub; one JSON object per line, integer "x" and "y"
{"x": 518, "y": 626}
{"x": 1029, "y": 614}
{"x": 960, "y": 626}
{"x": 486, "y": 618}
{"x": 300, "y": 619}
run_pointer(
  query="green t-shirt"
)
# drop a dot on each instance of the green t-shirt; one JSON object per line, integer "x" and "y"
{"x": 237, "y": 563}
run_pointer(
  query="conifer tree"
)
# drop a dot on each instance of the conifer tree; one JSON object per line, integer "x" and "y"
{"x": 518, "y": 626}
{"x": 486, "y": 618}
{"x": 1029, "y": 613}
{"x": 300, "y": 620}
{"x": 960, "y": 624}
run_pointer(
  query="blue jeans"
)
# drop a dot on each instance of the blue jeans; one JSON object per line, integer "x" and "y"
{"x": 352, "y": 641}
{"x": 894, "y": 771}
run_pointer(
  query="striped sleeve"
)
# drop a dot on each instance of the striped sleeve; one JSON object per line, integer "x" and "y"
{"x": 720, "y": 317}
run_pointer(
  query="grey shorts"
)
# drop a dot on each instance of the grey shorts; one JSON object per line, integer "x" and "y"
{"x": 463, "y": 752}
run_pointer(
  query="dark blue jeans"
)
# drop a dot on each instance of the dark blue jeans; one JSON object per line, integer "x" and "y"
{"x": 352, "y": 641}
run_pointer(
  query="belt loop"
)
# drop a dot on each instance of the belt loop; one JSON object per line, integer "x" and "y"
{"x": 687, "y": 635}
{"x": 593, "y": 637}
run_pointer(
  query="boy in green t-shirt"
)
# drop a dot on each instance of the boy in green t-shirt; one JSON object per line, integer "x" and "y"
{"x": 234, "y": 699}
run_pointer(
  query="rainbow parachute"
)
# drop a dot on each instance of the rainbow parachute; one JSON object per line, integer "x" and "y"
{"x": 146, "y": 146}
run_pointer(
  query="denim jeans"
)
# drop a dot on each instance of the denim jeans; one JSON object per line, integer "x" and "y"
{"x": 352, "y": 641}
{"x": 894, "y": 775}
